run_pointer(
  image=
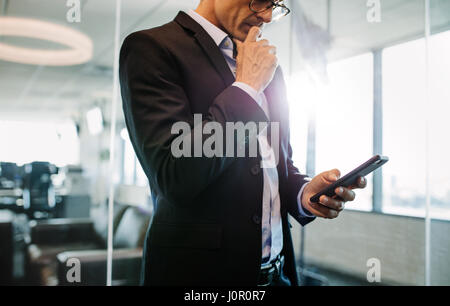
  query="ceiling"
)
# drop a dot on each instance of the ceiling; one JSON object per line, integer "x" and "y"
{"x": 28, "y": 91}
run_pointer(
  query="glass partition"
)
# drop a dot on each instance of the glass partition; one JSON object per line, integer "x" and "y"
{"x": 56, "y": 81}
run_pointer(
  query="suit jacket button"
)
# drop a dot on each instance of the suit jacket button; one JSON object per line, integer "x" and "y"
{"x": 255, "y": 169}
{"x": 257, "y": 219}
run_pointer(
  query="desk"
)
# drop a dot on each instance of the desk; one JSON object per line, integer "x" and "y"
{"x": 17, "y": 193}
{"x": 11, "y": 199}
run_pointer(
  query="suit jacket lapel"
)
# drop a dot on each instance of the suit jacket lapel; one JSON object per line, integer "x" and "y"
{"x": 208, "y": 45}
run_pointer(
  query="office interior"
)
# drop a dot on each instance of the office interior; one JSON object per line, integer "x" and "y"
{"x": 71, "y": 186}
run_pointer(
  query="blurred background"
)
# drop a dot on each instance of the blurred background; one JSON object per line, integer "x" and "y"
{"x": 375, "y": 70}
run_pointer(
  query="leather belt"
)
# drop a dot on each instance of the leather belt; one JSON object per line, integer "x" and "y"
{"x": 271, "y": 272}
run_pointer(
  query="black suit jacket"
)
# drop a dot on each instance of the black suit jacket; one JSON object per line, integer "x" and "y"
{"x": 206, "y": 227}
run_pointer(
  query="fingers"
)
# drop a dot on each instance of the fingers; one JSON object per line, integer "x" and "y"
{"x": 271, "y": 49}
{"x": 346, "y": 194}
{"x": 361, "y": 183}
{"x": 331, "y": 203}
{"x": 330, "y": 207}
{"x": 253, "y": 34}
{"x": 274, "y": 61}
{"x": 323, "y": 211}
{"x": 256, "y": 61}
{"x": 263, "y": 42}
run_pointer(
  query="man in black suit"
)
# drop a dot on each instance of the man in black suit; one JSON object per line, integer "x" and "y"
{"x": 221, "y": 219}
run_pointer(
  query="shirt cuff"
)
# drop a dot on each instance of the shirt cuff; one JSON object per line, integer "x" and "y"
{"x": 249, "y": 90}
{"x": 303, "y": 211}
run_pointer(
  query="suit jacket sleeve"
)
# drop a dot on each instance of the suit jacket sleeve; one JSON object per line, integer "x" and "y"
{"x": 153, "y": 100}
{"x": 296, "y": 181}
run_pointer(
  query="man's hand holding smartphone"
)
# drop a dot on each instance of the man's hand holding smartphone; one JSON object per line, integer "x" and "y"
{"x": 329, "y": 207}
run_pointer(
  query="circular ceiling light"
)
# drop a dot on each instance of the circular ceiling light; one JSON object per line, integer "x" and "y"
{"x": 79, "y": 51}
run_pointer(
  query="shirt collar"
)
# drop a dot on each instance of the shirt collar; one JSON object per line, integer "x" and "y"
{"x": 216, "y": 34}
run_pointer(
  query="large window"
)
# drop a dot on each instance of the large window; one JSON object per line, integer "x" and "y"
{"x": 342, "y": 111}
{"x": 418, "y": 151}
{"x": 28, "y": 141}
{"x": 404, "y": 138}
{"x": 344, "y": 121}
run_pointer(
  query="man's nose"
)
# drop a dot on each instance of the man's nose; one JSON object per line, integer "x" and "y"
{"x": 266, "y": 15}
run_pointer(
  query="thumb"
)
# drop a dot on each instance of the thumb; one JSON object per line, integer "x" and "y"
{"x": 324, "y": 179}
{"x": 333, "y": 175}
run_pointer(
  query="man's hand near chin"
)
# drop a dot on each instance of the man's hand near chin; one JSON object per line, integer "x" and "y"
{"x": 329, "y": 207}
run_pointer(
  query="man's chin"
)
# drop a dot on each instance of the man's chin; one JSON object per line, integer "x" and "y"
{"x": 242, "y": 34}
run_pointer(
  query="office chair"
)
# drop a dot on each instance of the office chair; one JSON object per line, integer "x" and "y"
{"x": 38, "y": 193}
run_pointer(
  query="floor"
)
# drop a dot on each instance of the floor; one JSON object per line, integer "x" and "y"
{"x": 314, "y": 276}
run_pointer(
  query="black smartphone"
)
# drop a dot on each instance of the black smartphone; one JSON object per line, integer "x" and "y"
{"x": 351, "y": 177}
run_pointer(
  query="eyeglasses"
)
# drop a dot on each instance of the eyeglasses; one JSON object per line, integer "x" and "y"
{"x": 279, "y": 10}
